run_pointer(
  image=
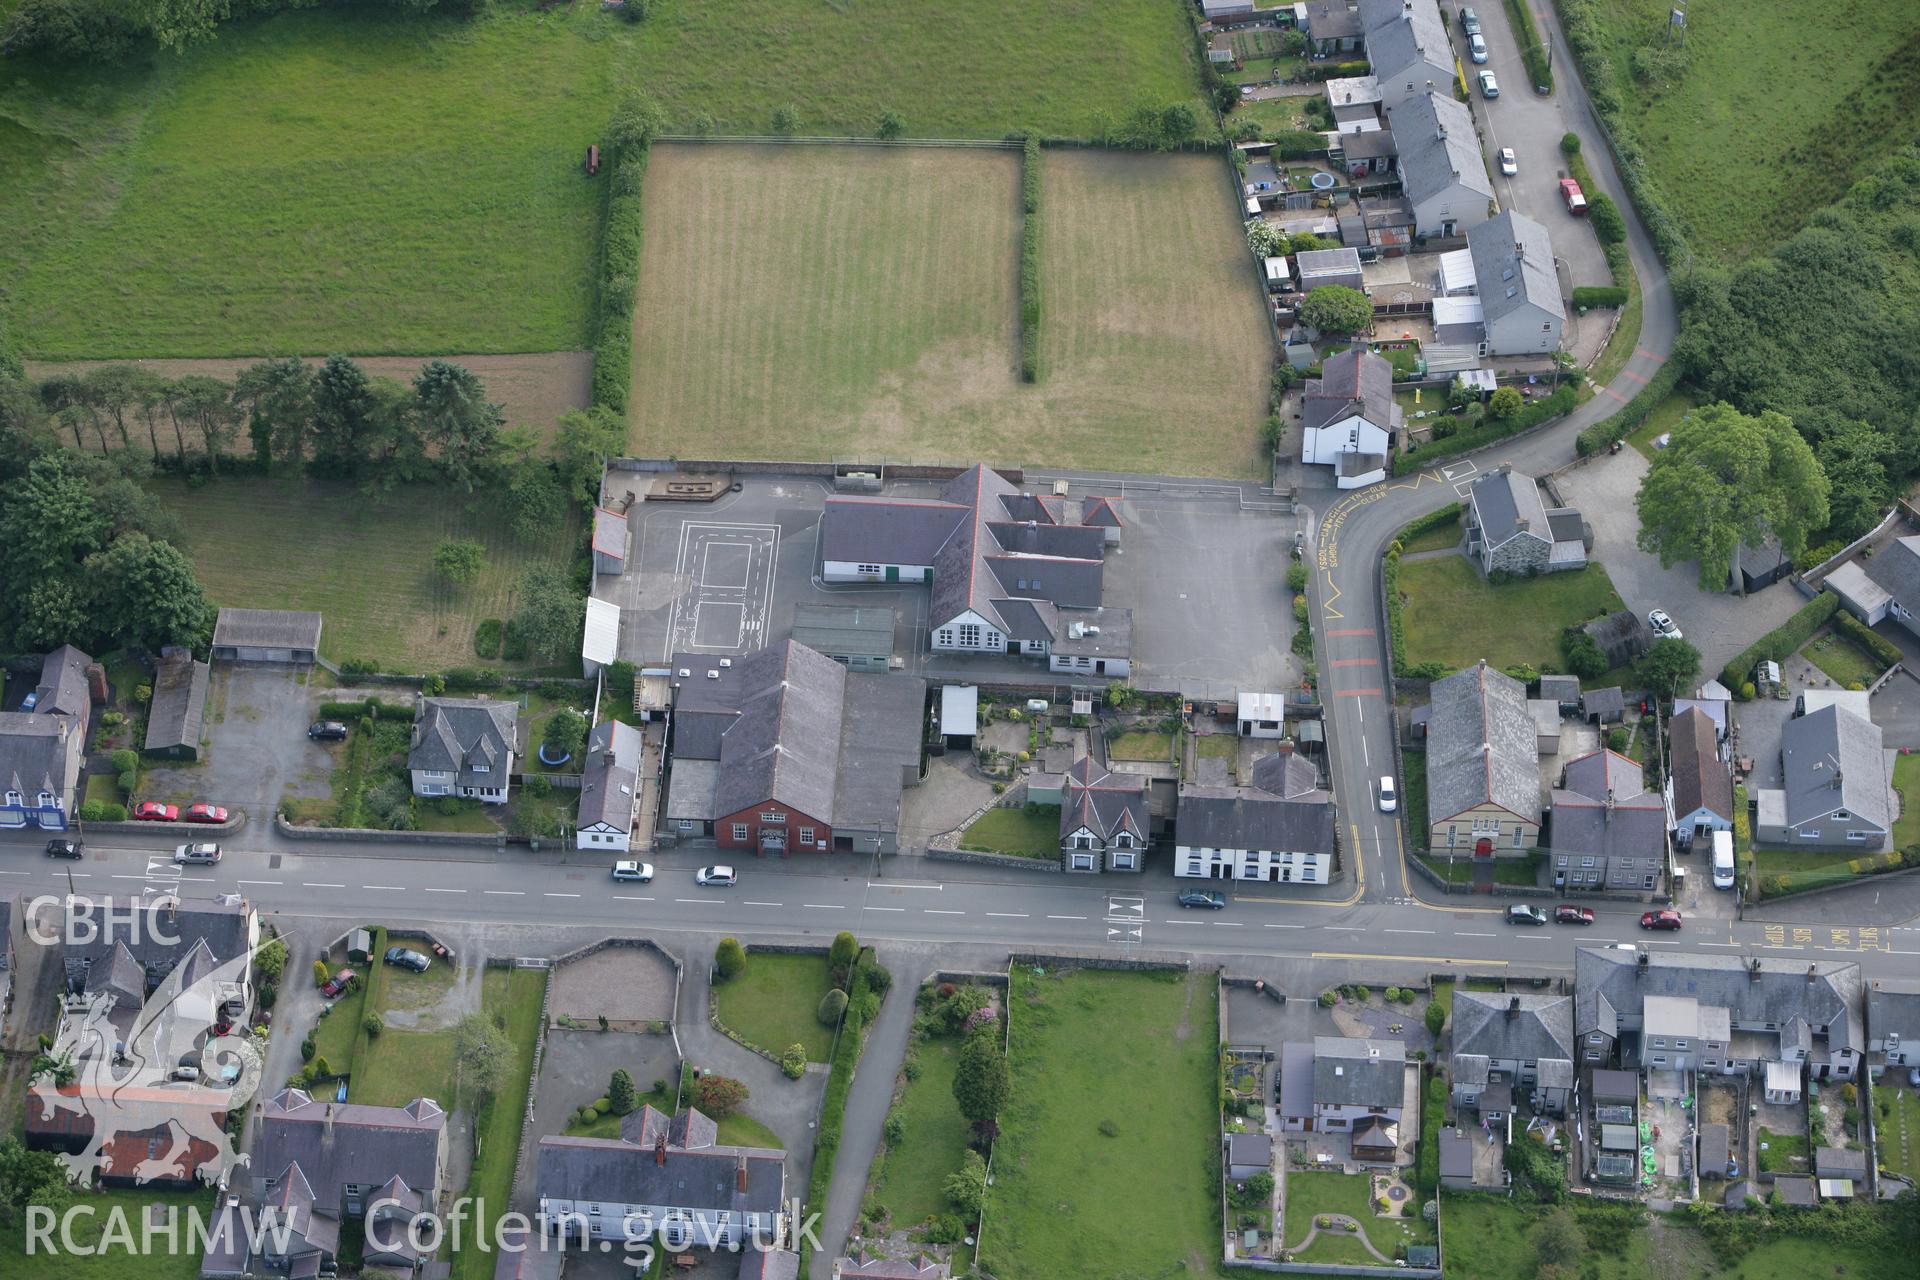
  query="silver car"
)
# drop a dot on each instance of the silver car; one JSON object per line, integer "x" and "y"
{"x": 205, "y": 852}
{"x": 1477, "y": 47}
{"x": 717, "y": 877}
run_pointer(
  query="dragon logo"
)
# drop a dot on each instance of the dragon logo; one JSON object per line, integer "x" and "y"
{"x": 147, "y": 1115}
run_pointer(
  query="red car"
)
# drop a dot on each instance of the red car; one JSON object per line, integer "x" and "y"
{"x": 1663, "y": 919}
{"x": 338, "y": 983}
{"x": 205, "y": 813}
{"x": 1566, "y": 913}
{"x": 1574, "y": 198}
{"x": 154, "y": 811}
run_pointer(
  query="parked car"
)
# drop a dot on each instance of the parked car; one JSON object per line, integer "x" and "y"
{"x": 1389, "y": 799}
{"x": 1662, "y": 624}
{"x": 337, "y": 983}
{"x": 154, "y": 811}
{"x": 1572, "y": 196}
{"x": 717, "y": 877}
{"x": 1477, "y": 48}
{"x": 1470, "y": 22}
{"x": 327, "y": 731}
{"x": 1723, "y": 868}
{"x": 204, "y": 813}
{"x": 185, "y": 1075}
{"x": 1509, "y": 163}
{"x": 406, "y": 958}
{"x": 1526, "y": 915}
{"x": 1665, "y": 918}
{"x": 1489, "y": 87}
{"x": 1567, "y": 913}
{"x": 65, "y": 849}
{"x": 640, "y": 871}
{"x": 1206, "y": 899}
{"x": 206, "y": 852}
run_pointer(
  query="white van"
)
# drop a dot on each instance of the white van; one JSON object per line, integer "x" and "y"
{"x": 1723, "y": 859}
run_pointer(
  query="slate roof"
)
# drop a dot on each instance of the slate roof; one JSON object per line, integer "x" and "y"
{"x": 1104, "y": 802}
{"x": 1456, "y": 1155}
{"x": 1604, "y": 808}
{"x": 1438, "y": 147}
{"x": 152, "y": 949}
{"x": 1358, "y": 1073}
{"x": 1715, "y": 1142}
{"x": 1542, "y": 1027}
{"x": 1556, "y": 1073}
{"x": 614, "y": 1171}
{"x": 1816, "y": 747}
{"x": 1481, "y": 746}
{"x": 1296, "y": 1081}
{"x": 179, "y": 703}
{"x": 1562, "y": 689}
{"x": 1502, "y": 499}
{"x": 267, "y": 629}
{"x": 1893, "y": 1005}
{"x": 911, "y": 530}
{"x": 1839, "y": 1162}
{"x": 610, "y": 776}
{"x": 1608, "y": 703}
{"x": 1309, "y": 262}
{"x": 861, "y": 631}
{"x": 363, "y": 1145}
{"x": 1714, "y": 709}
{"x": 1401, "y": 39}
{"x": 879, "y": 742}
{"x": 1823, "y": 992}
{"x": 40, "y": 753}
{"x": 1896, "y": 571}
{"x": 1353, "y": 381}
{"x": 784, "y": 1264}
{"x": 1368, "y": 145}
{"x": 452, "y": 735}
{"x": 1611, "y": 1086}
{"x": 1332, "y": 21}
{"x": 63, "y": 683}
{"x": 918, "y": 1267}
{"x": 1284, "y": 811}
{"x": 1700, "y": 780}
{"x": 1796, "y": 1191}
{"x": 1512, "y": 252}
{"x": 785, "y": 744}
{"x": 1249, "y": 1148}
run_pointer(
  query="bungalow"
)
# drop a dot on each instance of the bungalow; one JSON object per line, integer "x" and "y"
{"x": 1441, "y": 168}
{"x": 1281, "y": 829}
{"x": 1104, "y": 819}
{"x": 1886, "y": 585}
{"x": 43, "y": 747}
{"x": 1351, "y": 418}
{"x": 1519, "y": 291}
{"x": 282, "y": 636}
{"x": 1699, "y": 787}
{"x": 1893, "y": 1021}
{"x": 1407, "y": 45}
{"x": 1834, "y": 791}
{"x": 1510, "y": 528}
{"x": 1483, "y": 778}
{"x": 609, "y": 788}
{"x": 464, "y": 747}
{"x": 1609, "y": 833}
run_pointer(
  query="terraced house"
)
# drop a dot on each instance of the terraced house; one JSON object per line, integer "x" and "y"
{"x": 1281, "y": 829}
{"x": 43, "y": 746}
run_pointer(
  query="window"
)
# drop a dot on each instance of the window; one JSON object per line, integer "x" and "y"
{"x": 1193, "y": 864}
{"x": 1123, "y": 841}
{"x": 1547, "y": 327}
{"x": 739, "y": 831}
{"x": 1586, "y": 862}
{"x": 1512, "y": 290}
{"x": 1858, "y": 835}
{"x": 1659, "y": 1042}
{"x": 1083, "y": 842}
{"x": 1659, "y": 1059}
{"x": 774, "y": 816}
{"x": 478, "y": 768}
{"x": 869, "y": 568}
{"x": 15, "y": 798}
{"x": 944, "y": 636}
{"x": 1123, "y": 862}
{"x": 1840, "y": 815}
{"x": 1507, "y": 274}
{"x": 969, "y": 635}
{"x": 806, "y": 835}
{"x": 1083, "y": 862}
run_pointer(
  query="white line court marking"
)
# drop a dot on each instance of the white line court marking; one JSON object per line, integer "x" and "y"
{"x": 936, "y": 911}
{"x": 753, "y": 904}
{"x": 1057, "y": 917}
{"x": 386, "y": 888}
{"x": 505, "y": 893}
{"x": 1008, "y": 915}
{"x": 430, "y": 890}
{"x": 1406, "y": 931}
{"x": 245, "y": 881}
{"x": 559, "y": 895}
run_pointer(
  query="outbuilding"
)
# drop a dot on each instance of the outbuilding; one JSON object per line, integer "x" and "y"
{"x": 600, "y": 639}
{"x": 959, "y": 714}
{"x": 858, "y": 637}
{"x": 284, "y": 636}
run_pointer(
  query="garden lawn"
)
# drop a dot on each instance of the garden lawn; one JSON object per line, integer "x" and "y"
{"x": 1443, "y": 538}
{"x": 1906, "y": 780}
{"x": 122, "y": 1258}
{"x": 1310, "y": 1193}
{"x": 1455, "y": 617}
{"x": 1017, "y": 832}
{"x": 911, "y": 1179}
{"x": 1897, "y": 1129}
{"x": 1780, "y": 1151}
{"x": 350, "y": 179}
{"x": 1514, "y": 871}
{"x": 1275, "y": 116}
{"x": 1067, "y": 1198}
{"x": 1141, "y": 744}
{"x": 333, "y": 1035}
{"x": 1844, "y": 662}
{"x": 293, "y": 544}
{"x": 517, "y": 994}
{"x": 775, "y": 1003}
{"x": 1665, "y": 417}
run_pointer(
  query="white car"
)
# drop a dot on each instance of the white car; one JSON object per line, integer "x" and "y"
{"x": 1662, "y": 624}
{"x": 1489, "y": 87}
{"x": 1509, "y": 164}
{"x": 1388, "y": 800}
{"x": 1477, "y": 47}
{"x": 717, "y": 877}
{"x": 205, "y": 852}
{"x": 639, "y": 871}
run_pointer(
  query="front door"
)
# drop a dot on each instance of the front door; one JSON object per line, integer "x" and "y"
{"x": 893, "y": 573}
{"x": 773, "y": 840}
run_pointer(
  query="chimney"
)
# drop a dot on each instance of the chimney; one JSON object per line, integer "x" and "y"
{"x": 1813, "y": 974}
{"x": 607, "y": 758}
{"x": 660, "y": 1149}
{"x": 1609, "y": 812}
{"x": 1835, "y": 784}
{"x": 1644, "y": 959}
{"x": 1753, "y": 969}
{"x": 740, "y": 1175}
{"x": 1519, "y": 251}
{"x": 1513, "y": 1007}
{"x": 1521, "y": 523}
{"x": 326, "y": 1131}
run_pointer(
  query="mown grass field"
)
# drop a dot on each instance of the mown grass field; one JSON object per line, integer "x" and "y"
{"x": 344, "y": 179}
{"x": 111, "y": 1255}
{"x": 1775, "y": 115}
{"x": 1066, "y": 1199}
{"x": 295, "y": 544}
{"x": 894, "y": 334}
{"x": 1455, "y": 616}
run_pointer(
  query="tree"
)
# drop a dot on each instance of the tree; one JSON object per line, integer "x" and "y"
{"x": 320, "y": 974}
{"x": 585, "y": 440}
{"x": 785, "y": 121}
{"x": 483, "y": 1051}
{"x": 719, "y": 1096}
{"x": 1266, "y": 239}
{"x": 30, "y": 1178}
{"x": 1727, "y": 480}
{"x": 832, "y": 1006}
{"x": 891, "y": 127}
{"x": 457, "y": 419}
{"x": 1334, "y": 308}
{"x": 841, "y": 954}
{"x": 966, "y": 1187}
{"x": 633, "y": 124}
{"x": 1855, "y": 457}
{"x": 343, "y": 412}
{"x": 145, "y": 594}
{"x": 278, "y": 396}
{"x": 206, "y": 403}
{"x": 1436, "y": 1017}
{"x": 566, "y": 732}
{"x": 271, "y": 960}
{"x": 536, "y": 503}
{"x": 1558, "y": 1238}
{"x": 113, "y": 389}
{"x": 980, "y": 1080}
{"x": 621, "y": 1099}
{"x": 1504, "y": 403}
{"x": 459, "y": 560}
{"x": 49, "y": 520}
{"x": 730, "y": 958}
{"x": 550, "y": 615}
{"x": 1582, "y": 653}
{"x": 1669, "y": 666}
{"x": 57, "y": 1070}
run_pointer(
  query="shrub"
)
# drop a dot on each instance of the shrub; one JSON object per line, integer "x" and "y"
{"x": 621, "y": 1098}
{"x": 840, "y": 955}
{"x": 1297, "y": 576}
{"x": 320, "y": 973}
{"x": 1570, "y": 143}
{"x": 879, "y": 978}
{"x": 373, "y": 1023}
{"x": 320, "y": 1068}
{"x": 128, "y": 781}
{"x": 1436, "y": 1018}
{"x": 730, "y": 958}
{"x": 1878, "y": 647}
{"x": 1327, "y": 999}
{"x": 125, "y": 761}
{"x": 1298, "y": 144}
{"x": 832, "y": 1005}
{"x": 895, "y": 1129}
{"x": 719, "y": 1096}
{"x": 1505, "y": 403}
{"x": 1487, "y": 432}
{"x": 1608, "y": 225}
{"x": 1587, "y": 297}
{"x": 486, "y": 637}
{"x": 794, "y": 1061}
{"x": 306, "y": 1049}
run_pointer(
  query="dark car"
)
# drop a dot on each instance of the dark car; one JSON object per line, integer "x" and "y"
{"x": 204, "y": 813}
{"x": 1666, "y": 918}
{"x": 407, "y": 959}
{"x": 1526, "y": 915}
{"x": 1470, "y": 22}
{"x": 1211, "y": 899}
{"x": 65, "y": 849}
{"x": 1568, "y": 914}
{"x": 338, "y": 983}
{"x": 327, "y": 731}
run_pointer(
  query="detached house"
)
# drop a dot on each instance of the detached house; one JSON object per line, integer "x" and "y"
{"x": 1609, "y": 832}
{"x": 43, "y": 747}
{"x": 464, "y": 747}
{"x": 609, "y": 788}
{"x": 1510, "y": 528}
{"x": 1407, "y": 45}
{"x": 1483, "y": 775}
{"x": 1351, "y": 418}
{"x": 1524, "y": 1040}
{"x": 1893, "y": 1021}
{"x": 1358, "y": 1087}
{"x": 1835, "y": 781}
{"x": 1281, "y": 829}
{"x": 1699, "y": 788}
{"x": 1441, "y": 167}
{"x": 1519, "y": 291}
{"x": 1884, "y": 586}
{"x": 1104, "y": 819}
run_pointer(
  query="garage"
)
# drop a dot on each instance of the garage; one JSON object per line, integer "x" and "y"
{"x": 280, "y": 636}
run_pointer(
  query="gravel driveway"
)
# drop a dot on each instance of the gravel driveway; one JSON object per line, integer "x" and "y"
{"x": 257, "y": 747}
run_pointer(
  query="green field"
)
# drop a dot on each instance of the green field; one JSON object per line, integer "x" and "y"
{"x": 343, "y": 179}
{"x": 1456, "y": 617}
{"x": 1665, "y": 416}
{"x": 1906, "y": 780}
{"x": 895, "y": 335}
{"x": 292, "y": 544}
{"x": 911, "y": 1178}
{"x": 775, "y": 1003}
{"x": 1774, "y": 116}
{"x": 1016, "y": 832}
{"x": 121, "y": 1256}
{"x": 1070, "y": 1200}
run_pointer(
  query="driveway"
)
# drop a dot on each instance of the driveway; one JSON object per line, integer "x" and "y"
{"x": 257, "y": 747}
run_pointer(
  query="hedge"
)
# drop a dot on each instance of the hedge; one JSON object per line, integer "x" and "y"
{"x": 1432, "y": 520}
{"x": 1632, "y": 414}
{"x": 1531, "y": 51}
{"x": 1878, "y": 647}
{"x": 1396, "y": 628}
{"x": 619, "y": 277}
{"x": 1488, "y": 432}
{"x": 1779, "y": 643}
{"x": 1588, "y": 296}
{"x": 374, "y": 979}
{"x": 1030, "y": 261}
{"x": 833, "y": 1110}
{"x": 355, "y": 710}
{"x": 1297, "y": 144}
{"x": 1604, "y": 214}
{"x": 1340, "y": 70}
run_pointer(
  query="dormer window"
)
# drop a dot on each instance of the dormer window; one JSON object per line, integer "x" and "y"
{"x": 478, "y": 767}
{"x": 15, "y": 798}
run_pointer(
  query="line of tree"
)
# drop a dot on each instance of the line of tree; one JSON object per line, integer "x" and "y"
{"x": 113, "y": 30}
